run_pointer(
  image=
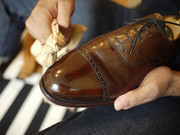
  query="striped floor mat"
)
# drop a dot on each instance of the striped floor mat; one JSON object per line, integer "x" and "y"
{"x": 23, "y": 110}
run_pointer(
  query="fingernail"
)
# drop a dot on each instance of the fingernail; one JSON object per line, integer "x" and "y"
{"x": 119, "y": 107}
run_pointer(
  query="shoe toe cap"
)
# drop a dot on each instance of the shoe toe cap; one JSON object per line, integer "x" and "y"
{"x": 71, "y": 79}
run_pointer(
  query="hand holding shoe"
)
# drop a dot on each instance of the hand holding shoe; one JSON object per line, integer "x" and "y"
{"x": 161, "y": 81}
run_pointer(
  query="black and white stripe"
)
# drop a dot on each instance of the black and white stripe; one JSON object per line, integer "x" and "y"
{"x": 22, "y": 106}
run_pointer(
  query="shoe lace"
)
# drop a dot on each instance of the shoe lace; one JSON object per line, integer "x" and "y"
{"x": 148, "y": 22}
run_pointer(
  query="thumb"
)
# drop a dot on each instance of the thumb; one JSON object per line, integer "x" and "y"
{"x": 65, "y": 11}
{"x": 133, "y": 98}
{"x": 155, "y": 84}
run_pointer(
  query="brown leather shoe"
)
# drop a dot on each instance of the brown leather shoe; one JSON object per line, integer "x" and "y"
{"x": 110, "y": 65}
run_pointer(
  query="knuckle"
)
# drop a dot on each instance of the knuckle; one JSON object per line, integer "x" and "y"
{"x": 39, "y": 9}
{"x": 27, "y": 23}
{"x": 35, "y": 11}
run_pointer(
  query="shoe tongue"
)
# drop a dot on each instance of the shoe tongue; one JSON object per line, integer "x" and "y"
{"x": 155, "y": 15}
{"x": 158, "y": 16}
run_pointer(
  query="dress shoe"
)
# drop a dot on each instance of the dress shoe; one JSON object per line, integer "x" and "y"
{"x": 110, "y": 65}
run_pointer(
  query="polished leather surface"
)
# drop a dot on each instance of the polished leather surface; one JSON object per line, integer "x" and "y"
{"x": 102, "y": 69}
{"x": 73, "y": 77}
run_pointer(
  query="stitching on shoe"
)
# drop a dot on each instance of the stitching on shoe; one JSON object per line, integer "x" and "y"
{"x": 97, "y": 71}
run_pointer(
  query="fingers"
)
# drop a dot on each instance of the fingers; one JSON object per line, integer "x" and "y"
{"x": 127, "y": 100}
{"x": 155, "y": 84}
{"x": 65, "y": 11}
{"x": 133, "y": 98}
{"x": 39, "y": 22}
{"x": 144, "y": 93}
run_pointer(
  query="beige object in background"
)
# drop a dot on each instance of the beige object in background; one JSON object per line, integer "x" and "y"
{"x": 128, "y": 3}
